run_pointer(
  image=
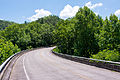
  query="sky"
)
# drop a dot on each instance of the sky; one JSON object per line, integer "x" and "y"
{"x": 20, "y": 11}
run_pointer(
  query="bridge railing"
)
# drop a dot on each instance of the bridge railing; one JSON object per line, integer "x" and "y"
{"x": 7, "y": 66}
{"x": 3, "y": 65}
{"x": 115, "y": 66}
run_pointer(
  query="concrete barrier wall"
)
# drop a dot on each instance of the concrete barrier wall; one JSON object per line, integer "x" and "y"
{"x": 115, "y": 66}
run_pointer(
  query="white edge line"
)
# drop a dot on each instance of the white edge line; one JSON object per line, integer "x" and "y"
{"x": 25, "y": 70}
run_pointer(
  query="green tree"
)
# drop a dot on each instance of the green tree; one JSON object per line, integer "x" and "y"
{"x": 51, "y": 20}
{"x": 85, "y": 43}
{"x": 110, "y": 33}
{"x": 109, "y": 55}
{"x": 4, "y": 24}
{"x": 65, "y": 36}
{"x": 16, "y": 34}
{"x": 7, "y": 49}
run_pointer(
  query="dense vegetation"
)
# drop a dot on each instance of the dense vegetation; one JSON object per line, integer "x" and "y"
{"x": 86, "y": 35}
{"x": 89, "y": 35}
{"x": 7, "y": 49}
{"x": 28, "y": 35}
{"x": 4, "y": 24}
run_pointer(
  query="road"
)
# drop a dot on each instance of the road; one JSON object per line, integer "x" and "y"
{"x": 41, "y": 64}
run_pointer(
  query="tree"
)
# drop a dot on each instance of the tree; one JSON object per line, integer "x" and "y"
{"x": 16, "y": 34}
{"x": 85, "y": 43}
{"x": 7, "y": 49}
{"x": 65, "y": 36}
{"x": 51, "y": 20}
{"x": 110, "y": 35}
{"x": 4, "y": 24}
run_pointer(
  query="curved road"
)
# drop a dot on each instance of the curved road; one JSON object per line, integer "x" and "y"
{"x": 41, "y": 64}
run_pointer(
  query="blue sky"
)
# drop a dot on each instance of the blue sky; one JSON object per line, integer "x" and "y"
{"x": 30, "y": 10}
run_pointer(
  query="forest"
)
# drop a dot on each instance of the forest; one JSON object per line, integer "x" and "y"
{"x": 85, "y": 35}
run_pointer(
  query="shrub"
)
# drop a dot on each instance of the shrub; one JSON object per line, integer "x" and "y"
{"x": 110, "y": 55}
{"x": 7, "y": 49}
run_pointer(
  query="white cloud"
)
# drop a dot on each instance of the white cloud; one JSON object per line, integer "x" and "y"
{"x": 1, "y": 19}
{"x": 92, "y": 6}
{"x": 68, "y": 11}
{"x": 117, "y": 13}
{"x": 39, "y": 13}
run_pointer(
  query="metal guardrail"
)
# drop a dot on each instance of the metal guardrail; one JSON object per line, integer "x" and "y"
{"x": 6, "y": 67}
{"x": 115, "y": 66}
{"x": 5, "y": 63}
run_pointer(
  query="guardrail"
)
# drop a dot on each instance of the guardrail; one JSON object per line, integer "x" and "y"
{"x": 5, "y": 63}
{"x": 115, "y": 66}
{"x": 2, "y": 66}
{"x": 6, "y": 67}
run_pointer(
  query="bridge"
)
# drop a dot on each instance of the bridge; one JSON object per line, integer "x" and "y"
{"x": 42, "y": 64}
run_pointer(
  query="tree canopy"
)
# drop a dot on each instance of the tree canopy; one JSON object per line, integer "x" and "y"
{"x": 4, "y": 24}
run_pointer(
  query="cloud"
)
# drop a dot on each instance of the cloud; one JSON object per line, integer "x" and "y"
{"x": 1, "y": 19}
{"x": 39, "y": 13}
{"x": 92, "y": 6}
{"x": 68, "y": 11}
{"x": 117, "y": 13}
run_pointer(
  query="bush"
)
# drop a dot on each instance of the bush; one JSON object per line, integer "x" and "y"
{"x": 110, "y": 55}
{"x": 56, "y": 50}
{"x": 7, "y": 49}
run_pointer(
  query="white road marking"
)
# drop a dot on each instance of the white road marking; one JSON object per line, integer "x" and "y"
{"x": 25, "y": 69}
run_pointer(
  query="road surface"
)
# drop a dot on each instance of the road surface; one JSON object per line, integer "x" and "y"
{"x": 41, "y": 64}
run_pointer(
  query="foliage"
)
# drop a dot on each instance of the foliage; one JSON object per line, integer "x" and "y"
{"x": 110, "y": 55}
{"x": 4, "y": 24}
{"x": 64, "y": 36}
{"x": 7, "y": 49}
{"x": 26, "y": 36}
{"x": 85, "y": 43}
{"x": 41, "y": 34}
{"x": 83, "y": 35}
{"x": 56, "y": 50}
{"x": 51, "y": 20}
{"x": 86, "y": 34}
{"x": 31, "y": 35}
{"x": 110, "y": 34}
{"x": 16, "y": 34}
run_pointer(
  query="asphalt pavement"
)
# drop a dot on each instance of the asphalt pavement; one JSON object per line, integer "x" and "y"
{"x": 41, "y": 64}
